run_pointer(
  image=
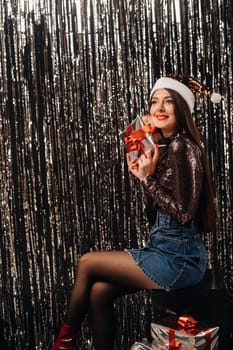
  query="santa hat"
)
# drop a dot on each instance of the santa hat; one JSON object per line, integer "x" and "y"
{"x": 188, "y": 87}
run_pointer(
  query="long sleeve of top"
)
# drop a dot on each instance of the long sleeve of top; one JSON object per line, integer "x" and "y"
{"x": 175, "y": 187}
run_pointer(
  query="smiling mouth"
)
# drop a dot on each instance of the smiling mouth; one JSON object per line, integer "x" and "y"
{"x": 162, "y": 116}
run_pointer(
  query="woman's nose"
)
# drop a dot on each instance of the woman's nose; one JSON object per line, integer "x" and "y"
{"x": 161, "y": 106}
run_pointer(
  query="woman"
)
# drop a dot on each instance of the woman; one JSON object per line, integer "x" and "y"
{"x": 177, "y": 189}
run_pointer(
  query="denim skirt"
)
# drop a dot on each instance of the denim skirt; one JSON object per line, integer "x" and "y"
{"x": 174, "y": 256}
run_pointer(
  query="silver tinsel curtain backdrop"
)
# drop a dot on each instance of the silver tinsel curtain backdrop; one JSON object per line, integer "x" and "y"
{"x": 73, "y": 73}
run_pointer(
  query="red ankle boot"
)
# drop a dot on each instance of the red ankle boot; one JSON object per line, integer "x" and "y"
{"x": 66, "y": 339}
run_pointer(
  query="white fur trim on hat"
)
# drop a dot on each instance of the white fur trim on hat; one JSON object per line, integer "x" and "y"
{"x": 183, "y": 90}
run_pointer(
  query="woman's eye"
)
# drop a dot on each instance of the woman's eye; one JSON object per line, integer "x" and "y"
{"x": 169, "y": 101}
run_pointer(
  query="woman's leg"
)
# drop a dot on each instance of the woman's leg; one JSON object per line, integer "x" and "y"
{"x": 101, "y": 312}
{"x": 101, "y": 274}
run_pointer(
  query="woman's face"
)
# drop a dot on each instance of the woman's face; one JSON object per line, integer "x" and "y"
{"x": 162, "y": 112}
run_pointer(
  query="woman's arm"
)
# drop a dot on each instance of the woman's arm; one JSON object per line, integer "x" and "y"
{"x": 177, "y": 189}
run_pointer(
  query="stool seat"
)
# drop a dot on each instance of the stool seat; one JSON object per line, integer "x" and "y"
{"x": 212, "y": 279}
{"x": 207, "y": 301}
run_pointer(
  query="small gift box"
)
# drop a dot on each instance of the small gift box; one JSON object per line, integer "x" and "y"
{"x": 183, "y": 334}
{"x": 138, "y": 138}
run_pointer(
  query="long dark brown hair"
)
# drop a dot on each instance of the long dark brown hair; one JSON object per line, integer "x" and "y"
{"x": 206, "y": 214}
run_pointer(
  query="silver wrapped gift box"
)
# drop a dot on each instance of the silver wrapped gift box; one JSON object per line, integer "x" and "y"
{"x": 137, "y": 137}
{"x": 171, "y": 335}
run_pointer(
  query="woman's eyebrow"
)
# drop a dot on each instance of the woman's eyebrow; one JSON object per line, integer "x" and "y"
{"x": 156, "y": 98}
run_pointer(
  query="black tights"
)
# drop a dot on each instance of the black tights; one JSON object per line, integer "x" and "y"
{"x": 102, "y": 277}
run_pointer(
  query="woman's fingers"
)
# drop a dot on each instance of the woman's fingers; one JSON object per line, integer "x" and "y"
{"x": 144, "y": 165}
{"x": 145, "y": 119}
{"x": 155, "y": 153}
{"x": 129, "y": 160}
{"x": 132, "y": 163}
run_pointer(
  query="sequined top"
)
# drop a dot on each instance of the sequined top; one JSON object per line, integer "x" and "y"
{"x": 175, "y": 188}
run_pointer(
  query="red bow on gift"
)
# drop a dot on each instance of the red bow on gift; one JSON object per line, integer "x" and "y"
{"x": 188, "y": 324}
{"x": 184, "y": 321}
{"x": 134, "y": 138}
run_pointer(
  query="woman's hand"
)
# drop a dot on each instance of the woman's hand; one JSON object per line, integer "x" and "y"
{"x": 144, "y": 165}
{"x": 157, "y": 135}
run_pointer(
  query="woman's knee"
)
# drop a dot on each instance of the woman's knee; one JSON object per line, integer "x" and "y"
{"x": 85, "y": 262}
{"x": 101, "y": 293}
